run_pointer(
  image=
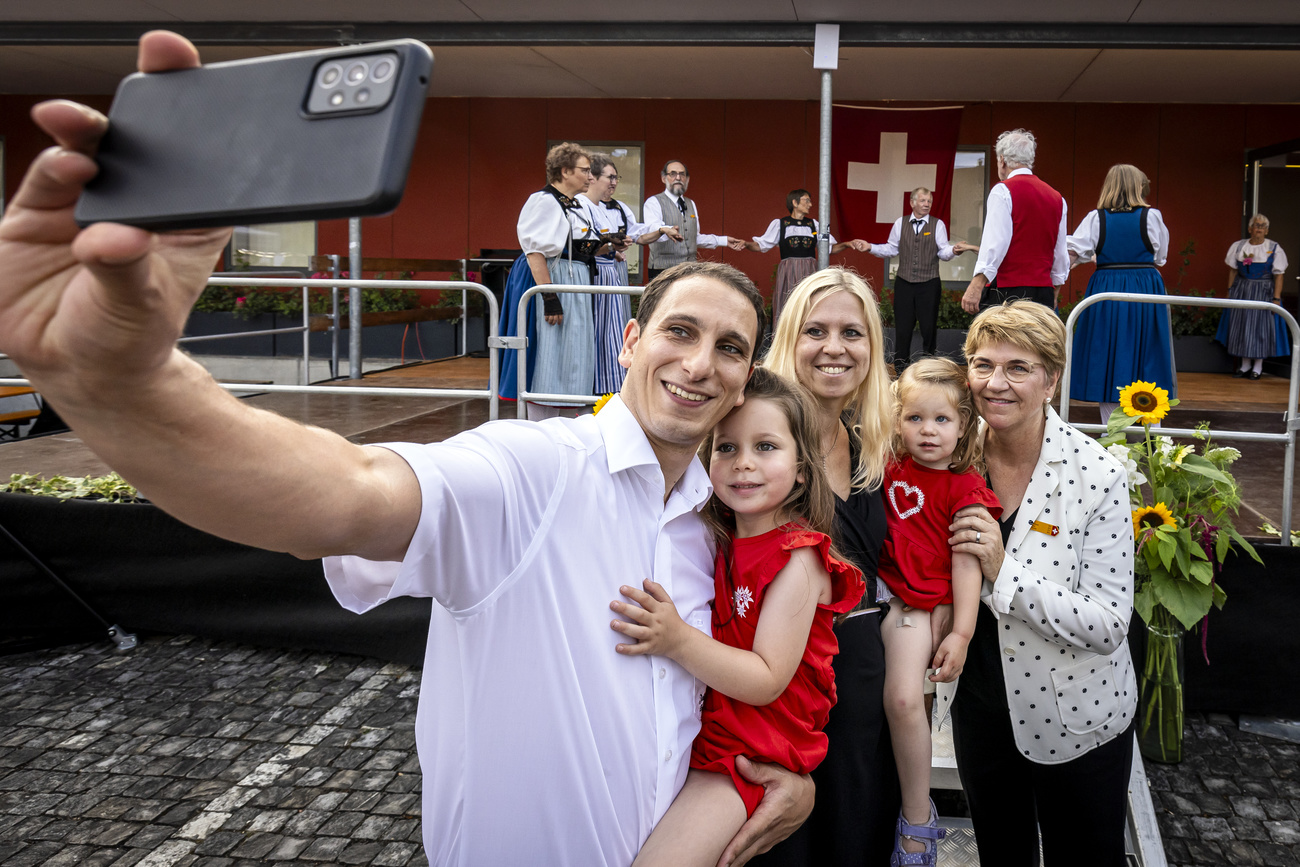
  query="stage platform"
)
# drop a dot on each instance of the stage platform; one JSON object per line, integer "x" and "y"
{"x": 1227, "y": 403}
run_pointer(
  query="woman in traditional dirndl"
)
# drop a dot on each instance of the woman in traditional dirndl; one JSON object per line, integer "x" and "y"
{"x": 796, "y": 237}
{"x": 621, "y": 229}
{"x": 1255, "y": 268}
{"x": 1119, "y": 343}
{"x": 558, "y": 234}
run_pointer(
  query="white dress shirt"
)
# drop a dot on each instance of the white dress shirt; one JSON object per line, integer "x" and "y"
{"x": 1063, "y": 601}
{"x": 772, "y": 236}
{"x": 1258, "y": 251}
{"x": 545, "y": 227}
{"x": 889, "y": 249}
{"x": 1083, "y": 243}
{"x": 997, "y": 235}
{"x": 654, "y": 219}
{"x": 540, "y": 744}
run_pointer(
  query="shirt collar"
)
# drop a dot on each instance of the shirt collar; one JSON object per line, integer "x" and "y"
{"x": 915, "y": 217}
{"x": 1021, "y": 171}
{"x": 627, "y": 448}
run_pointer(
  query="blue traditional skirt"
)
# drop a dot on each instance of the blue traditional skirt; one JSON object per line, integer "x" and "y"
{"x": 566, "y": 353}
{"x": 1117, "y": 343}
{"x": 611, "y": 313}
{"x": 1253, "y": 333}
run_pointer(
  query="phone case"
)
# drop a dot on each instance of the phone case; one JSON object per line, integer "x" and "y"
{"x": 233, "y": 143}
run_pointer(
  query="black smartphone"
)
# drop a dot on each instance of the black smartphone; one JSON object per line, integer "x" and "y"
{"x": 310, "y": 135}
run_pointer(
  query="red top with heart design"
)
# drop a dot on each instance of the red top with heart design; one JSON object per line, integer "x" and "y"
{"x": 916, "y": 562}
{"x": 789, "y": 730}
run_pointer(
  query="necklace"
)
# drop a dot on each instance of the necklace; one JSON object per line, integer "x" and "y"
{"x": 834, "y": 442}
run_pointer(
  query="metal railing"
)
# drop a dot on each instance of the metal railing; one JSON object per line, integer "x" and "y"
{"x": 520, "y": 343}
{"x": 493, "y": 351}
{"x": 1290, "y": 418}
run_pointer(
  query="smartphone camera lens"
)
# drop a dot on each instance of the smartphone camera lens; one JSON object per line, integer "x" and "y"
{"x": 336, "y": 98}
{"x": 363, "y": 96}
{"x": 357, "y": 73}
{"x": 330, "y": 74}
{"x": 382, "y": 70}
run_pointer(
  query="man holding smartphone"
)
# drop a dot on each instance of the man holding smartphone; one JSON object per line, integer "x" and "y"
{"x": 541, "y": 745}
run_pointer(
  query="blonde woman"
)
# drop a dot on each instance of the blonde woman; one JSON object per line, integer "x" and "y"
{"x": 831, "y": 341}
{"x": 1118, "y": 343}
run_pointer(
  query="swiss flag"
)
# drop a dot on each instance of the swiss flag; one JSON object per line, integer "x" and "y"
{"x": 879, "y": 155}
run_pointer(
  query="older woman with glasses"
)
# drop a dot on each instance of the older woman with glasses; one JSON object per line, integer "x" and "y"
{"x": 1044, "y": 710}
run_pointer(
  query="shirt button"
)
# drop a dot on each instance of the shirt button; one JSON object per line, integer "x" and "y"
{"x": 663, "y": 673}
{"x": 1009, "y": 651}
{"x": 668, "y": 756}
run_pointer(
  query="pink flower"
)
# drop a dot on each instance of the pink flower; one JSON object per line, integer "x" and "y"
{"x": 239, "y": 302}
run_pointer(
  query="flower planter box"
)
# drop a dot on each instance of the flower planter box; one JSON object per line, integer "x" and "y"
{"x": 384, "y": 335}
{"x": 1201, "y": 355}
{"x": 144, "y": 570}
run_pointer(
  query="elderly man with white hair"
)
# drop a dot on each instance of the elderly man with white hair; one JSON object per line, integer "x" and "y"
{"x": 1023, "y": 247}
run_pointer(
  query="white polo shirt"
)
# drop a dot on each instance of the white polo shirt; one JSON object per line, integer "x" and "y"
{"x": 538, "y": 743}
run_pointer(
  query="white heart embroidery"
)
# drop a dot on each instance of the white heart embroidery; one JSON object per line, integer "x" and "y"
{"x": 908, "y": 490}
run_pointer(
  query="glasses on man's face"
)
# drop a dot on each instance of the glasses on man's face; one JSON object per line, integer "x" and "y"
{"x": 613, "y": 178}
{"x": 676, "y": 175}
{"x": 1013, "y": 371}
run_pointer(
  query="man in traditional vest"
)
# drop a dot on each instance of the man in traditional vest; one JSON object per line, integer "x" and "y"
{"x": 920, "y": 246}
{"x": 673, "y": 208}
{"x": 1024, "y": 233}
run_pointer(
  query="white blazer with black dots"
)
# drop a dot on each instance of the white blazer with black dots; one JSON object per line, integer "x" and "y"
{"x": 1063, "y": 600}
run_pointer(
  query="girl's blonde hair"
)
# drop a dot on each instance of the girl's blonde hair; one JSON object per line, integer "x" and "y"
{"x": 811, "y": 503}
{"x": 1125, "y": 188}
{"x": 867, "y": 420}
{"x": 947, "y": 376}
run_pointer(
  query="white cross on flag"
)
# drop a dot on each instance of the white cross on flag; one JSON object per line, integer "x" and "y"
{"x": 879, "y": 155}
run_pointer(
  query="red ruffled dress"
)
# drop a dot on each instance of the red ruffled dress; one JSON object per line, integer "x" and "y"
{"x": 916, "y": 562}
{"x": 789, "y": 730}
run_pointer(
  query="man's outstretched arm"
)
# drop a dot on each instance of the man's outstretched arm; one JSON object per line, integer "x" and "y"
{"x": 92, "y": 316}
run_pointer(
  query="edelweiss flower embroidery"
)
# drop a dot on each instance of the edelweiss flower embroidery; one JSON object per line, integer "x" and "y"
{"x": 742, "y": 599}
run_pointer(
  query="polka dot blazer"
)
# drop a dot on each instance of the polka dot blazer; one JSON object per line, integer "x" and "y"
{"x": 1063, "y": 600}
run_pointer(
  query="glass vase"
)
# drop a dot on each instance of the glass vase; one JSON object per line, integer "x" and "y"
{"x": 1160, "y": 705}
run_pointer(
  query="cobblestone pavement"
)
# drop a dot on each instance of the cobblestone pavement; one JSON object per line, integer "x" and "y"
{"x": 188, "y": 751}
{"x": 1234, "y": 799}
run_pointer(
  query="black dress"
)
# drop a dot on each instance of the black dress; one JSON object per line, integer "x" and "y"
{"x": 858, "y": 798}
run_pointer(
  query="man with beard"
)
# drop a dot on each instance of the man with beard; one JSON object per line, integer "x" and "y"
{"x": 673, "y": 208}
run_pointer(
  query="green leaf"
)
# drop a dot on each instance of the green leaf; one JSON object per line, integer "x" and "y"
{"x": 1219, "y": 595}
{"x": 1203, "y": 571}
{"x": 1143, "y": 601}
{"x": 1189, "y": 601}
{"x": 1222, "y": 544}
{"x": 1202, "y": 467}
{"x": 1165, "y": 546}
{"x": 1119, "y": 421}
{"x": 1183, "y": 551}
{"x": 1242, "y": 543}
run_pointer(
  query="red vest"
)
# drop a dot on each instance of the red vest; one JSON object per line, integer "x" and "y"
{"x": 1035, "y": 222}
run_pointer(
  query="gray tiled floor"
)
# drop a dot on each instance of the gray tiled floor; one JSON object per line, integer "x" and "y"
{"x": 187, "y": 751}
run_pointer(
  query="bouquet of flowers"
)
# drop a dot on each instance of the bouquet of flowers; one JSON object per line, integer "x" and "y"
{"x": 1183, "y": 506}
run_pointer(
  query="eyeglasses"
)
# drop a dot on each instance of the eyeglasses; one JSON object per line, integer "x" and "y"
{"x": 611, "y": 177}
{"x": 1014, "y": 371}
{"x": 582, "y": 170}
{"x": 677, "y": 174}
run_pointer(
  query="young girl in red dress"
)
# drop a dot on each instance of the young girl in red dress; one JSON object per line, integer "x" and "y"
{"x": 933, "y": 474}
{"x": 778, "y": 586}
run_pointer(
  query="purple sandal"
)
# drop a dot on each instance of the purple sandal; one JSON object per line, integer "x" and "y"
{"x": 928, "y": 834}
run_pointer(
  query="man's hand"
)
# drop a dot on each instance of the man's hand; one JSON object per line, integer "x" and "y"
{"x": 736, "y": 243}
{"x": 860, "y": 245}
{"x": 786, "y": 803}
{"x": 653, "y": 621}
{"x": 672, "y": 233}
{"x": 102, "y": 304}
{"x": 970, "y": 301}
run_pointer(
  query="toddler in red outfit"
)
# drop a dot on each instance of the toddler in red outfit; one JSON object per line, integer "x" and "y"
{"x": 932, "y": 476}
{"x": 777, "y": 588}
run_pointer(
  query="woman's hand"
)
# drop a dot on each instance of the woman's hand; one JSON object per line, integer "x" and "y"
{"x": 653, "y": 621}
{"x": 974, "y": 531}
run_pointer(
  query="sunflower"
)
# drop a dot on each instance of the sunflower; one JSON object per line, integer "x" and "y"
{"x": 1150, "y": 517}
{"x": 1145, "y": 401}
{"x": 600, "y": 404}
